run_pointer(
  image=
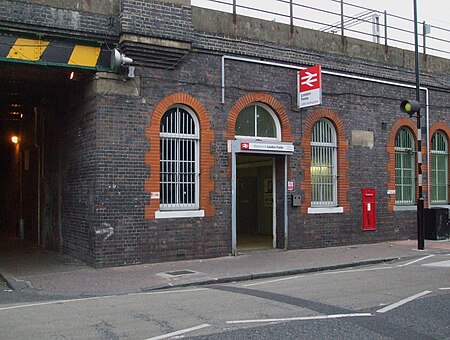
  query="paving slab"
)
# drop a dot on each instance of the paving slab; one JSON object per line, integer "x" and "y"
{"x": 30, "y": 268}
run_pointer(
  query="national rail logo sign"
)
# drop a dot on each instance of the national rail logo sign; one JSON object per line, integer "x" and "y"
{"x": 309, "y": 82}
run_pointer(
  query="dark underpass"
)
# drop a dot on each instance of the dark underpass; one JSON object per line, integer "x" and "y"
{"x": 37, "y": 104}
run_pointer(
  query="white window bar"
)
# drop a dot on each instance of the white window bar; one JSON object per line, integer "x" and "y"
{"x": 179, "y": 155}
{"x": 323, "y": 165}
{"x": 404, "y": 168}
{"x": 439, "y": 169}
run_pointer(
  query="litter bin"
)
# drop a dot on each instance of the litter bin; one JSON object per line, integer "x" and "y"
{"x": 436, "y": 223}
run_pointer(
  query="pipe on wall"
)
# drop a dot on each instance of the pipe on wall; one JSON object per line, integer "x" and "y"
{"x": 37, "y": 146}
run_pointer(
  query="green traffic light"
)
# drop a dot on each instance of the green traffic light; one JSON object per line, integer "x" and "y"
{"x": 408, "y": 107}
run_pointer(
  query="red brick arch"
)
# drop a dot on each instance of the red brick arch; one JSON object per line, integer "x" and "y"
{"x": 342, "y": 162}
{"x": 442, "y": 127}
{"x": 390, "y": 146}
{"x": 152, "y": 157}
{"x": 259, "y": 97}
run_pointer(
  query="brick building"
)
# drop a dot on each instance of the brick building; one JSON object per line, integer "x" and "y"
{"x": 204, "y": 152}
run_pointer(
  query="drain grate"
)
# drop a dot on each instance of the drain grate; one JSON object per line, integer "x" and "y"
{"x": 4, "y": 286}
{"x": 180, "y": 272}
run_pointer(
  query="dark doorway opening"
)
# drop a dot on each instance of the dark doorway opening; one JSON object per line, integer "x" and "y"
{"x": 255, "y": 204}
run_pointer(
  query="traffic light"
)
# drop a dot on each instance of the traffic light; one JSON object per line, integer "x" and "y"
{"x": 410, "y": 106}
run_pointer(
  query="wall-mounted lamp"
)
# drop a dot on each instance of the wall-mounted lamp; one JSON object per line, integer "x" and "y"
{"x": 119, "y": 59}
{"x": 15, "y": 139}
{"x": 121, "y": 63}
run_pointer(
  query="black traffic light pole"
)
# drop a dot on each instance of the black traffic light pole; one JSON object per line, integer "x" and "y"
{"x": 420, "y": 201}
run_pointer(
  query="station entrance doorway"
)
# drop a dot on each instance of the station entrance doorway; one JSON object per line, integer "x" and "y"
{"x": 259, "y": 195}
{"x": 255, "y": 204}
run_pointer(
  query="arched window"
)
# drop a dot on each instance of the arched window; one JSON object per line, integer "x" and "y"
{"x": 258, "y": 121}
{"x": 323, "y": 164}
{"x": 404, "y": 167}
{"x": 179, "y": 159}
{"x": 439, "y": 168}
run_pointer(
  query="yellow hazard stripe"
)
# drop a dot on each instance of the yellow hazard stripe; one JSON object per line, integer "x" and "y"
{"x": 27, "y": 49}
{"x": 84, "y": 55}
{"x": 53, "y": 52}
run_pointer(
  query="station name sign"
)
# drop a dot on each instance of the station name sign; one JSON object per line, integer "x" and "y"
{"x": 249, "y": 146}
{"x": 309, "y": 83}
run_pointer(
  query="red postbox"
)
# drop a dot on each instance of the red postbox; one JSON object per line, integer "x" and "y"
{"x": 368, "y": 209}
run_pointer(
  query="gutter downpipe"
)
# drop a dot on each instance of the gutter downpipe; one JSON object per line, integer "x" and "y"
{"x": 343, "y": 75}
{"x": 37, "y": 146}
{"x": 427, "y": 111}
{"x": 233, "y": 199}
{"x": 21, "y": 161}
{"x": 286, "y": 222}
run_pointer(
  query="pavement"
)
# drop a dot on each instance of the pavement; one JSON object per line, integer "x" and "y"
{"x": 29, "y": 268}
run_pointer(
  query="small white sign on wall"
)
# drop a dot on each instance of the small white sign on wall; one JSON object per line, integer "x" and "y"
{"x": 291, "y": 185}
{"x": 154, "y": 195}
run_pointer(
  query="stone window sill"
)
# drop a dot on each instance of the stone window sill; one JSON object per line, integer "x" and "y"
{"x": 330, "y": 210}
{"x": 405, "y": 207}
{"x": 179, "y": 214}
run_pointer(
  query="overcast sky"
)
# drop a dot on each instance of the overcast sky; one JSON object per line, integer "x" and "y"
{"x": 434, "y": 12}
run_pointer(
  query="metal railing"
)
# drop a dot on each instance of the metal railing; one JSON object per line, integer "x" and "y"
{"x": 339, "y": 17}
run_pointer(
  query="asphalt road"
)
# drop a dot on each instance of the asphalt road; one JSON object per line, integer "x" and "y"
{"x": 400, "y": 300}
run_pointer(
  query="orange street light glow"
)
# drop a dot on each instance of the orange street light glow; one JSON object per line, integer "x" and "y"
{"x": 15, "y": 139}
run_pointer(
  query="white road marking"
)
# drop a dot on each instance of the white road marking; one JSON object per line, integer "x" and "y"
{"x": 60, "y": 302}
{"x": 445, "y": 264}
{"x": 445, "y": 288}
{"x": 170, "y": 291}
{"x": 272, "y": 281}
{"x": 316, "y": 274}
{"x": 415, "y": 261}
{"x": 355, "y": 270}
{"x": 183, "y": 331}
{"x": 402, "y": 302}
{"x": 303, "y": 318}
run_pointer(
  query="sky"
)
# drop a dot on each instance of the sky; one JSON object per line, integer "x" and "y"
{"x": 434, "y": 12}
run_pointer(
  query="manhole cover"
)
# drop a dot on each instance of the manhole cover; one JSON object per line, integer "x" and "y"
{"x": 180, "y": 272}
